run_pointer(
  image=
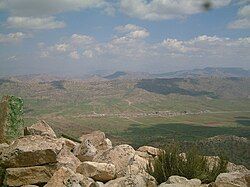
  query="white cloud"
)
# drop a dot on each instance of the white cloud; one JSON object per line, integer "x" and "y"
{"x": 74, "y": 55}
{"x": 240, "y": 24}
{"x": 139, "y": 34}
{"x": 61, "y": 47}
{"x": 12, "y": 58}
{"x": 129, "y": 45}
{"x": 129, "y": 33}
{"x": 13, "y": 37}
{"x": 205, "y": 38}
{"x": 174, "y": 44}
{"x": 38, "y": 8}
{"x": 38, "y": 14}
{"x": 127, "y": 28}
{"x": 165, "y": 9}
{"x": 34, "y": 23}
{"x": 243, "y": 21}
{"x": 81, "y": 39}
{"x": 88, "y": 53}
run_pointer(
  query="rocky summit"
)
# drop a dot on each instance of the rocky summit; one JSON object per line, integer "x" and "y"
{"x": 39, "y": 158}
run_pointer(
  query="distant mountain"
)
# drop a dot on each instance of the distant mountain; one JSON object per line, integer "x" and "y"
{"x": 195, "y": 73}
{"x": 35, "y": 78}
{"x": 116, "y": 75}
{"x": 206, "y": 72}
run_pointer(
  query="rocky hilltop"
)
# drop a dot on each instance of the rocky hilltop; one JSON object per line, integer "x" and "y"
{"x": 39, "y": 158}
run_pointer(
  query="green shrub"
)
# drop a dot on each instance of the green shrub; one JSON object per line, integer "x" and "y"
{"x": 11, "y": 118}
{"x": 190, "y": 165}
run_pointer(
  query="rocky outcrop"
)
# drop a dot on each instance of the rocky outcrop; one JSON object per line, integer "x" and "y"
{"x": 67, "y": 159}
{"x": 133, "y": 180}
{"x": 69, "y": 143}
{"x": 40, "y": 128}
{"x": 65, "y": 177}
{"x": 120, "y": 156}
{"x": 85, "y": 151}
{"x": 177, "y": 181}
{"x": 233, "y": 179}
{"x": 41, "y": 159}
{"x": 231, "y": 167}
{"x": 30, "y": 151}
{"x": 98, "y": 171}
{"x": 29, "y": 175}
{"x": 150, "y": 150}
{"x": 98, "y": 140}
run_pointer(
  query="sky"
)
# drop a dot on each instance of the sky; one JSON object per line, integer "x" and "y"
{"x": 77, "y": 37}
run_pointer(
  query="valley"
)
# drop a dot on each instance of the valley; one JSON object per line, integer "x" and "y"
{"x": 142, "y": 111}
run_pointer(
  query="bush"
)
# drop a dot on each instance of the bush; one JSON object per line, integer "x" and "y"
{"x": 190, "y": 165}
{"x": 11, "y": 118}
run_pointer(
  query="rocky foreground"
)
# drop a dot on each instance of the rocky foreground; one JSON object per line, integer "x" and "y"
{"x": 41, "y": 159}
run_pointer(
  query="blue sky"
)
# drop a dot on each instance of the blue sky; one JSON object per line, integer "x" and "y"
{"x": 77, "y": 37}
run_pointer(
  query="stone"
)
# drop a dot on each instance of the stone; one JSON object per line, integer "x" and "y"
{"x": 138, "y": 165}
{"x": 222, "y": 184}
{"x": 99, "y": 184}
{"x": 133, "y": 180}
{"x": 144, "y": 155}
{"x": 98, "y": 171}
{"x": 69, "y": 143}
{"x": 150, "y": 150}
{"x": 30, "y": 151}
{"x": 29, "y": 175}
{"x": 40, "y": 128}
{"x": 65, "y": 177}
{"x": 178, "y": 181}
{"x": 97, "y": 139}
{"x": 67, "y": 159}
{"x": 175, "y": 179}
{"x": 234, "y": 178}
{"x": 231, "y": 167}
{"x": 85, "y": 151}
{"x": 120, "y": 156}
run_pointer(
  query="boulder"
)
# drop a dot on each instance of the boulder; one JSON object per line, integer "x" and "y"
{"x": 222, "y": 184}
{"x": 150, "y": 150}
{"x": 177, "y": 181}
{"x": 98, "y": 139}
{"x": 30, "y": 151}
{"x": 231, "y": 167}
{"x": 67, "y": 159}
{"x": 234, "y": 178}
{"x": 144, "y": 155}
{"x": 133, "y": 180}
{"x": 120, "y": 156}
{"x": 29, "y": 175}
{"x": 69, "y": 143}
{"x": 138, "y": 165}
{"x": 65, "y": 177}
{"x": 85, "y": 151}
{"x": 98, "y": 171}
{"x": 99, "y": 184}
{"x": 40, "y": 128}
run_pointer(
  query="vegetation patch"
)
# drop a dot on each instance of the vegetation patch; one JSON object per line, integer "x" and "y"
{"x": 11, "y": 118}
{"x": 170, "y": 86}
{"x": 190, "y": 165}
